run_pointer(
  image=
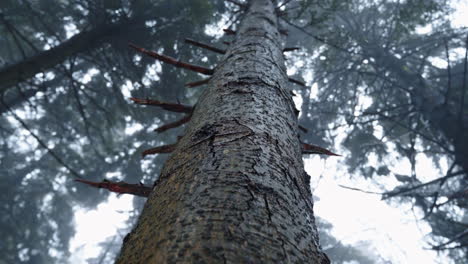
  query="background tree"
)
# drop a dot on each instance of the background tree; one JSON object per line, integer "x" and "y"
{"x": 380, "y": 83}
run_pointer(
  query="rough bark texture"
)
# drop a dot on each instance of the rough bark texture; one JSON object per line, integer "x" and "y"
{"x": 235, "y": 189}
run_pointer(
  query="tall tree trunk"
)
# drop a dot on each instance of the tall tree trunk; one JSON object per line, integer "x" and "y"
{"x": 235, "y": 189}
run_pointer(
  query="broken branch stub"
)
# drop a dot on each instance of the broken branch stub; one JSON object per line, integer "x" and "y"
{"x": 173, "y": 61}
{"x": 205, "y": 46}
{"x": 158, "y": 150}
{"x": 178, "y": 108}
{"x": 174, "y": 124}
{"x": 301, "y": 83}
{"x": 312, "y": 149}
{"x": 197, "y": 83}
{"x": 120, "y": 187}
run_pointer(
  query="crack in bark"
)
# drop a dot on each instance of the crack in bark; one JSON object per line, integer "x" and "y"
{"x": 267, "y": 207}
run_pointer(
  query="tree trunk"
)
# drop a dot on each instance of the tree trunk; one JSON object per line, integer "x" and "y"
{"x": 235, "y": 189}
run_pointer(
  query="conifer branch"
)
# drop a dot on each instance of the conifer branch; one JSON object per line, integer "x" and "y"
{"x": 158, "y": 150}
{"x": 305, "y": 130}
{"x": 301, "y": 83}
{"x": 178, "y": 108}
{"x": 312, "y": 149}
{"x": 197, "y": 83}
{"x": 291, "y": 49}
{"x": 205, "y": 46}
{"x": 120, "y": 187}
{"x": 229, "y": 31}
{"x": 173, "y": 61}
{"x": 174, "y": 124}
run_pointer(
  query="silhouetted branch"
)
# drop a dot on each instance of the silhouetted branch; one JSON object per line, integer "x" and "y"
{"x": 312, "y": 149}
{"x": 454, "y": 239}
{"x": 359, "y": 190}
{"x": 405, "y": 190}
{"x": 291, "y": 49}
{"x": 47, "y": 59}
{"x": 305, "y": 130}
{"x": 173, "y": 61}
{"x": 42, "y": 143}
{"x": 462, "y": 101}
{"x": 301, "y": 83}
{"x": 229, "y": 31}
{"x": 449, "y": 73}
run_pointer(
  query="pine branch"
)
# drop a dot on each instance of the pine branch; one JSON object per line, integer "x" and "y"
{"x": 175, "y": 124}
{"x": 291, "y": 49}
{"x": 305, "y": 130}
{"x": 120, "y": 187}
{"x": 301, "y": 83}
{"x": 229, "y": 31}
{"x": 205, "y": 46}
{"x": 359, "y": 190}
{"x": 312, "y": 149}
{"x": 158, "y": 150}
{"x": 178, "y": 108}
{"x": 173, "y": 61}
{"x": 197, "y": 83}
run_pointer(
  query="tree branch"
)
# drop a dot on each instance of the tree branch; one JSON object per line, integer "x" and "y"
{"x": 229, "y": 31}
{"x": 157, "y": 150}
{"x": 120, "y": 187}
{"x": 175, "y": 124}
{"x": 205, "y": 46}
{"x": 29, "y": 67}
{"x": 301, "y": 83}
{"x": 197, "y": 83}
{"x": 173, "y": 61}
{"x": 291, "y": 49}
{"x": 312, "y": 149}
{"x": 178, "y": 108}
{"x": 42, "y": 143}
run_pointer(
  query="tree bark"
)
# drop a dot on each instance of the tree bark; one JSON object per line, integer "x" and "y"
{"x": 234, "y": 189}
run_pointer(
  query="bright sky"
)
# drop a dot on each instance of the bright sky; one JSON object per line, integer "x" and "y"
{"x": 394, "y": 232}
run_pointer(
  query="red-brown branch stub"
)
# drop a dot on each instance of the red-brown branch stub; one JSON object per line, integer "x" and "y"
{"x": 303, "y": 129}
{"x": 158, "y": 150}
{"x": 178, "y": 108}
{"x": 229, "y": 31}
{"x": 120, "y": 187}
{"x": 173, "y": 61}
{"x": 301, "y": 83}
{"x": 312, "y": 149}
{"x": 175, "y": 124}
{"x": 197, "y": 83}
{"x": 205, "y": 46}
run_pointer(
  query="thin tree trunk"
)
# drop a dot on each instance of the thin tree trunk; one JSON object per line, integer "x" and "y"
{"x": 235, "y": 189}
{"x": 81, "y": 42}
